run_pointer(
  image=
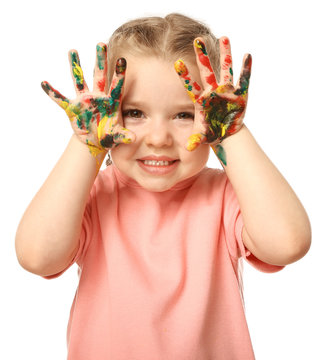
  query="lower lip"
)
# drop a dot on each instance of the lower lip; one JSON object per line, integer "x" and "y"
{"x": 159, "y": 169}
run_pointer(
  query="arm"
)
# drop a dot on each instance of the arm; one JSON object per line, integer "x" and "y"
{"x": 276, "y": 226}
{"x": 47, "y": 237}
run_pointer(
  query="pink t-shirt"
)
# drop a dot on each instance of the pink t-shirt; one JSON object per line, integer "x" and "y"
{"x": 160, "y": 273}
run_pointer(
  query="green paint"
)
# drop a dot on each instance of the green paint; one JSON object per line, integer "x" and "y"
{"x": 87, "y": 117}
{"x": 221, "y": 154}
{"x": 231, "y": 71}
{"x": 101, "y": 52}
{"x": 115, "y": 93}
{"x": 77, "y": 71}
{"x": 201, "y": 46}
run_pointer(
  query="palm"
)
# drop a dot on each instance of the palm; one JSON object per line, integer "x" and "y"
{"x": 94, "y": 115}
{"x": 220, "y": 109}
{"x": 223, "y": 112}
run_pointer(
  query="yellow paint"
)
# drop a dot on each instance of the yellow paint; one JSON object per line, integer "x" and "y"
{"x": 194, "y": 141}
{"x": 223, "y": 130}
{"x": 180, "y": 67}
{"x": 222, "y": 89}
{"x": 78, "y": 72}
{"x": 94, "y": 150}
{"x": 101, "y": 126}
{"x": 231, "y": 106}
{"x": 70, "y": 109}
{"x": 126, "y": 140}
{"x": 191, "y": 95}
{"x": 64, "y": 104}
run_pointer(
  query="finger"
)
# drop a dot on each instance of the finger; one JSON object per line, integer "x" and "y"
{"x": 192, "y": 87}
{"x": 199, "y": 130}
{"x": 226, "y": 76}
{"x": 194, "y": 141}
{"x": 77, "y": 72}
{"x": 116, "y": 87}
{"x": 243, "y": 83}
{"x": 54, "y": 94}
{"x": 110, "y": 133}
{"x": 101, "y": 68}
{"x": 206, "y": 71}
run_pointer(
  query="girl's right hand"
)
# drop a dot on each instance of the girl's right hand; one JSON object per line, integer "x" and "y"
{"x": 94, "y": 114}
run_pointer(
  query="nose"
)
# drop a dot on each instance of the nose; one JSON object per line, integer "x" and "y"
{"x": 158, "y": 133}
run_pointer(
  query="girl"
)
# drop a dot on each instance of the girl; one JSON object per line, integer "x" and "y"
{"x": 158, "y": 236}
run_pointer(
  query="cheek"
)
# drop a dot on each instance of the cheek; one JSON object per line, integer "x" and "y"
{"x": 123, "y": 152}
{"x": 182, "y": 131}
{"x": 198, "y": 157}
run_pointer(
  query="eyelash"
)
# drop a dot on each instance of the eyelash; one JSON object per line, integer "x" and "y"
{"x": 129, "y": 113}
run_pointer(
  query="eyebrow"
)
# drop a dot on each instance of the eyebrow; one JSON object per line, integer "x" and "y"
{"x": 141, "y": 104}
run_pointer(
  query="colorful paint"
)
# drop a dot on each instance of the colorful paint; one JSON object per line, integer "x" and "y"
{"x": 223, "y": 106}
{"x": 193, "y": 88}
{"x": 94, "y": 117}
{"x": 77, "y": 70}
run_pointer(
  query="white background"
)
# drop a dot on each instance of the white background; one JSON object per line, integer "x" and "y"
{"x": 286, "y": 114}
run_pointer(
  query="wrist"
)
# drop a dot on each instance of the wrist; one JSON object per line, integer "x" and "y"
{"x": 92, "y": 153}
{"x": 220, "y": 148}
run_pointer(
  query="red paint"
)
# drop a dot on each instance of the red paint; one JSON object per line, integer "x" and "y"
{"x": 197, "y": 86}
{"x": 205, "y": 60}
{"x": 98, "y": 119}
{"x": 227, "y": 62}
{"x": 101, "y": 84}
{"x": 87, "y": 99}
{"x": 225, "y": 41}
{"x": 212, "y": 80}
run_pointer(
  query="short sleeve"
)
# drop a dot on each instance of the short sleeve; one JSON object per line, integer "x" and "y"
{"x": 84, "y": 239}
{"x": 233, "y": 225}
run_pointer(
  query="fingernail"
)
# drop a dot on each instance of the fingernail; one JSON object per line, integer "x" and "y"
{"x": 200, "y": 45}
{"x": 121, "y": 66}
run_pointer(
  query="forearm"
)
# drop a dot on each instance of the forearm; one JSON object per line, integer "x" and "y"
{"x": 48, "y": 234}
{"x": 277, "y": 229}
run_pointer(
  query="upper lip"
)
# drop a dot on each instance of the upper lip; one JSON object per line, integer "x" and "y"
{"x": 157, "y": 158}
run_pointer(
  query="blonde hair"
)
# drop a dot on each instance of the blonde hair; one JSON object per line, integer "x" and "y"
{"x": 168, "y": 38}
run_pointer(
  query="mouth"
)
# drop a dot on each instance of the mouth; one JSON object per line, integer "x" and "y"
{"x": 159, "y": 166}
{"x": 158, "y": 162}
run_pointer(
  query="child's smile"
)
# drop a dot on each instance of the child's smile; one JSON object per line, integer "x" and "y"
{"x": 156, "y": 107}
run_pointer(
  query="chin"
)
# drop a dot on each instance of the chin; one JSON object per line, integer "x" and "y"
{"x": 157, "y": 186}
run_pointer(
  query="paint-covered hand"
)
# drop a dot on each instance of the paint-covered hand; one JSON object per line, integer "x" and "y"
{"x": 94, "y": 114}
{"x": 219, "y": 108}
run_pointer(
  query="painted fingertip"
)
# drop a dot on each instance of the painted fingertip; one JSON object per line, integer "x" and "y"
{"x": 101, "y": 50}
{"x": 193, "y": 142}
{"x": 199, "y": 44}
{"x": 180, "y": 68}
{"x": 121, "y": 66}
{"x": 225, "y": 41}
{"x": 248, "y": 61}
{"x": 46, "y": 87}
{"x": 101, "y": 47}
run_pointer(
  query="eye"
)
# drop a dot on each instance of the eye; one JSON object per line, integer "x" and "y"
{"x": 133, "y": 113}
{"x": 185, "y": 116}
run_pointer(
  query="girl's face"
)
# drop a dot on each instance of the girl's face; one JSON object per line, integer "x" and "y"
{"x": 157, "y": 108}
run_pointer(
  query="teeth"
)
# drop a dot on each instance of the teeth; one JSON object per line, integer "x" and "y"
{"x": 157, "y": 163}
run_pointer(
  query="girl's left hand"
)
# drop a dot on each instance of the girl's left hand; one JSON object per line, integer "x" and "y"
{"x": 219, "y": 108}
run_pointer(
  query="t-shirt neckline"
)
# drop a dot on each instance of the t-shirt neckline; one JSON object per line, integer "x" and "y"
{"x": 183, "y": 184}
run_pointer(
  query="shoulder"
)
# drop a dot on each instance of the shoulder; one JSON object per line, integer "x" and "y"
{"x": 213, "y": 176}
{"x": 105, "y": 181}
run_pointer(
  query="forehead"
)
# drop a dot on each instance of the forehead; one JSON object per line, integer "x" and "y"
{"x": 150, "y": 74}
